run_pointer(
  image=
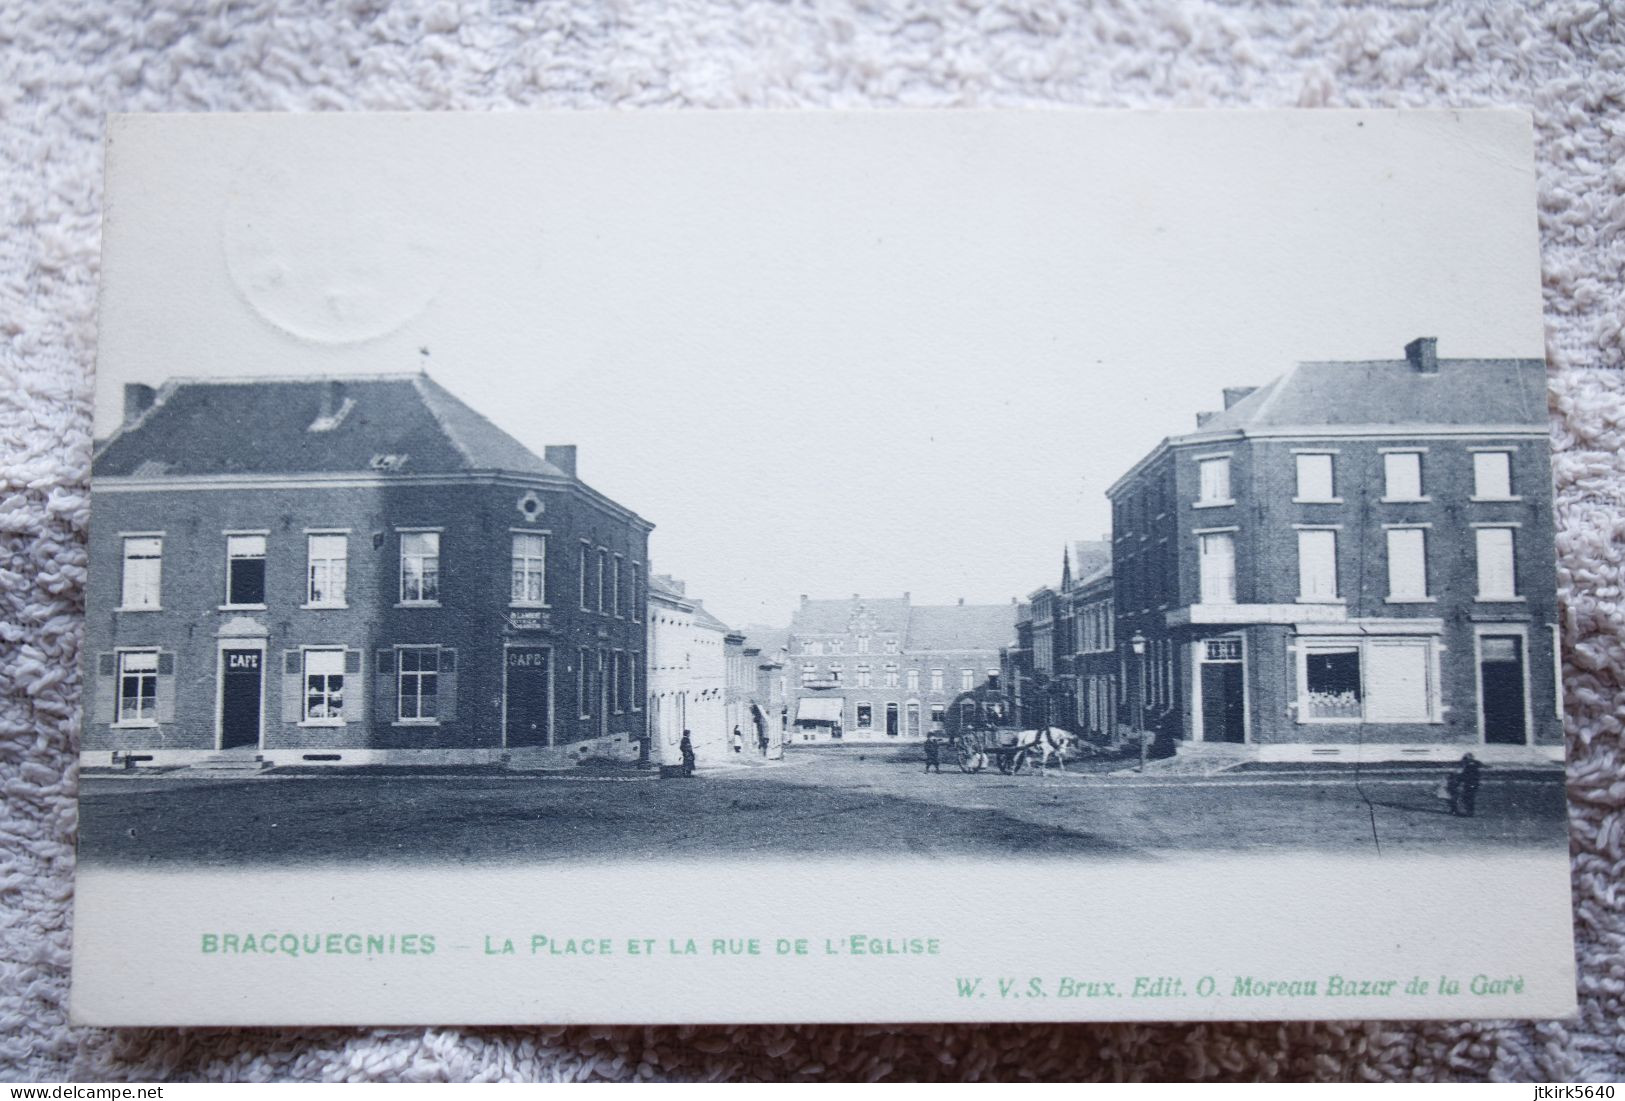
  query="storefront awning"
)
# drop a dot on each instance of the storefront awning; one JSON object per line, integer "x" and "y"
{"x": 823, "y": 709}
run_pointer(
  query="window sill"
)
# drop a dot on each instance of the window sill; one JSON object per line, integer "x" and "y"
{"x": 152, "y": 725}
{"x": 417, "y": 604}
{"x": 1319, "y": 600}
{"x": 142, "y": 608}
{"x": 530, "y": 605}
{"x": 1317, "y": 500}
{"x": 415, "y": 722}
{"x": 1213, "y": 504}
{"x": 328, "y": 724}
{"x": 1494, "y": 500}
{"x": 1404, "y": 500}
{"x": 1500, "y": 599}
{"x": 243, "y": 607}
{"x": 323, "y": 607}
{"x": 1411, "y": 600}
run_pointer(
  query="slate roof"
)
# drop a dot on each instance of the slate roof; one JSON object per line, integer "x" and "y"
{"x": 1392, "y": 391}
{"x": 275, "y": 426}
{"x": 919, "y": 626}
{"x": 704, "y": 618}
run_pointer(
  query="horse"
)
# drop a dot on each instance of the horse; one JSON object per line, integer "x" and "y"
{"x": 1050, "y": 742}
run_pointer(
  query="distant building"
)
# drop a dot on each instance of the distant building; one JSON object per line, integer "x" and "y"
{"x": 1357, "y": 557}
{"x": 883, "y": 669}
{"x": 352, "y": 570}
{"x": 688, "y": 676}
{"x": 1046, "y": 679}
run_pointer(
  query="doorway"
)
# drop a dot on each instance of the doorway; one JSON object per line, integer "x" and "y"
{"x": 1501, "y": 689}
{"x": 242, "y": 680}
{"x": 891, "y": 720}
{"x": 1224, "y": 691}
{"x": 527, "y": 696}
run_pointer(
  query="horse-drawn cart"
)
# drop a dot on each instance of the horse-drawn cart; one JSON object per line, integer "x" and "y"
{"x": 1007, "y": 750}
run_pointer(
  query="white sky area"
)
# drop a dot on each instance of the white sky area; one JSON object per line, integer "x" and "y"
{"x": 824, "y": 353}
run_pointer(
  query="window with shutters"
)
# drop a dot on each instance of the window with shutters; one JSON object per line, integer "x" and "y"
{"x": 1496, "y": 574}
{"x": 1492, "y": 476}
{"x": 1407, "y": 564}
{"x": 245, "y": 570}
{"x": 323, "y": 686}
{"x": 529, "y": 569}
{"x": 418, "y": 684}
{"x": 1402, "y": 476}
{"x": 1216, "y": 560}
{"x": 1214, "y": 482}
{"x": 326, "y": 570}
{"x": 137, "y": 699}
{"x": 420, "y": 567}
{"x": 1315, "y": 477}
{"x": 143, "y": 571}
{"x": 1317, "y": 565}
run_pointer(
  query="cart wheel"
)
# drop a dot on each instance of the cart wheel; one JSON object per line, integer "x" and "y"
{"x": 1018, "y": 759}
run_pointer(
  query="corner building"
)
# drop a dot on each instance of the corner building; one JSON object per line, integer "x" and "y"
{"x": 1355, "y": 559}
{"x": 347, "y": 571}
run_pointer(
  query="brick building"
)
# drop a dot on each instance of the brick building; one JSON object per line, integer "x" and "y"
{"x": 883, "y": 669}
{"x": 1356, "y": 556}
{"x": 299, "y": 570}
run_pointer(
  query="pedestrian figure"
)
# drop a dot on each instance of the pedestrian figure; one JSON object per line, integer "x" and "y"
{"x": 1463, "y": 786}
{"x": 761, "y": 740}
{"x": 686, "y": 747}
{"x": 739, "y": 741}
{"x": 933, "y": 755}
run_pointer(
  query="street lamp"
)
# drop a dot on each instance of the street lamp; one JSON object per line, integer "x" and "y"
{"x": 1137, "y": 644}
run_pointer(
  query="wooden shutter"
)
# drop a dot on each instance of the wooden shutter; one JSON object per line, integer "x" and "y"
{"x": 448, "y": 685}
{"x": 383, "y": 687}
{"x": 355, "y": 693}
{"x": 166, "y": 686}
{"x": 106, "y": 699}
{"x": 292, "y": 689}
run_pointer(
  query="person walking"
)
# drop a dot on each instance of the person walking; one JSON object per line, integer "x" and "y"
{"x": 686, "y": 748}
{"x": 761, "y": 740}
{"x": 933, "y": 755}
{"x": 739, "y": 740}
{"x": 1463, "y": 787}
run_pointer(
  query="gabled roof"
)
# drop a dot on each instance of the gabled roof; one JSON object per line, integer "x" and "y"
{"x": 834, "y": 617}
{"x": 406, "y": 424}
{"x": 703, "y": 618}
{"x": 1392, "y": 391}
{"x": 960, "y": 626}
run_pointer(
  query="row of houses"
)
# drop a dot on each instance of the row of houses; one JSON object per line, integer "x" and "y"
{"x": 1355, "y": 559}
{"x": 364, "y": 570}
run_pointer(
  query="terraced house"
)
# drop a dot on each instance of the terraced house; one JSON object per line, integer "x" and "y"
{"x": 1354, "y": 558}
{"x": 353, "y": 570}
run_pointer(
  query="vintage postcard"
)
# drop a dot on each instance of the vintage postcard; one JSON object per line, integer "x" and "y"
{"x": 821, "y": 567}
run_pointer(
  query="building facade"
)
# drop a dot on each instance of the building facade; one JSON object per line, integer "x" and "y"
{"x": 1355, "y": 558}
{"x": 688, "y": 676}
{"x": 887, "y": 669}
{"x": 352, "y": 571}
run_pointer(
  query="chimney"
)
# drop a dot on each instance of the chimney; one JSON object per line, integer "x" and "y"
{"x": 1203, "y": 418}
{"x": 1233, "y": 394}
{"x": 804, "y": 598}
{"x": 138, "y": 398}
{"x": 332, "y": 398}
{"x": 562, "y": 456}
{"x": 1423, "y": 352}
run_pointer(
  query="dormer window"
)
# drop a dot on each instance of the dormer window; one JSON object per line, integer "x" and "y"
{"x": 328, "y": 421}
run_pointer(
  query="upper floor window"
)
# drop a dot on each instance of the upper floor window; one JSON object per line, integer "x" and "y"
{"x": 863, "y": 676}
{"x": 891, "y": 646}
{"x": 637, "y": 598}
{"x": 1215, "y": 481}
{"x": 1216, "y": 560}
{"x": 863, "y": 644}
{"x": 1315, "y": 478}
{"x": 615, "y": 584}
{"x": 835, "y": 670}
{"x": 581, "y": 575}
{"x": 936, "y": 680}
{"x": 891, "y": 676}
{"x": 913, "y": 680}
{"x": 812, "y": 647}
{"x": 1407, "y": 564}
{"x": 837, "y": 646}
{"x": 967, "y": 680}
{"x": 326, "y": 570}
{"x": 143, "y": 569}
{"x": 420, "y": 567}
{"x": 1497, "y": 579}
{"x": 1402, "y": 476}
{"x": 245, "y": 570}
{"x": 603, "y": 580}
{"x": 1492, "y": 475}
{"x": 529, "y": 572}
{"x": 1317, "y": 565}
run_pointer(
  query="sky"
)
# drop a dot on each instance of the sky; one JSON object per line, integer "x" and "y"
{"x": 824, "y": 353}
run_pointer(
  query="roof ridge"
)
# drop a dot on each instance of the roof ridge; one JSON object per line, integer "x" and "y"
{"x": 418, "y": 387}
